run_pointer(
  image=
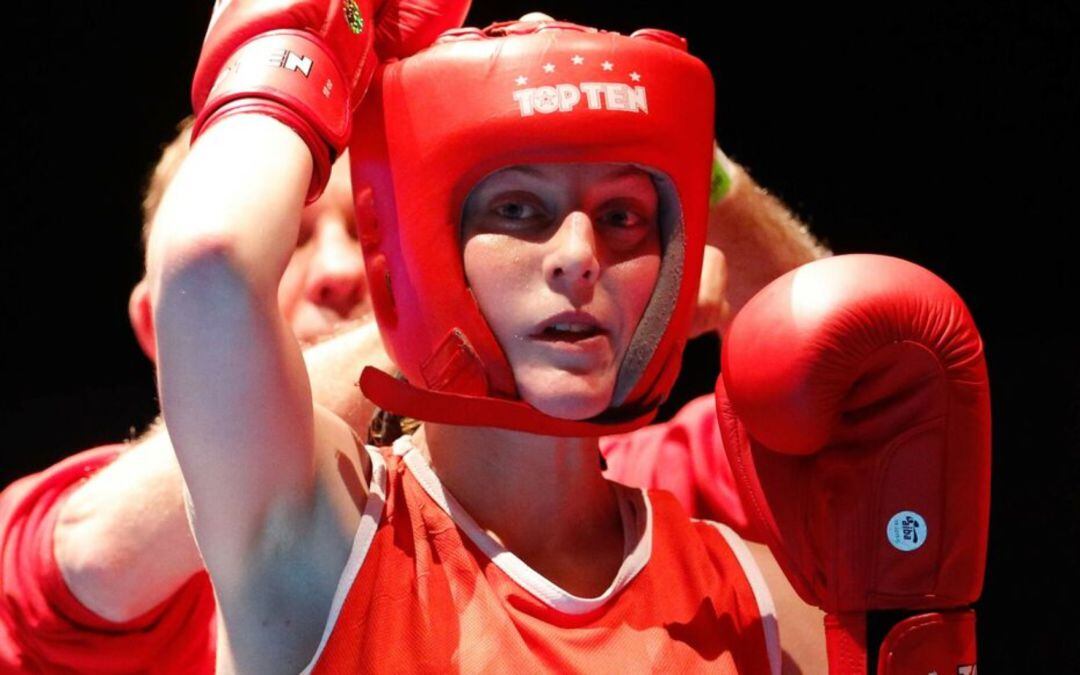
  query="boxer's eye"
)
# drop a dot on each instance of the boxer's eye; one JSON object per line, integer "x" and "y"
{"x": 622, "y": 219}
{"x": 518, "y": 210}
{"x": 625, "y": 222}
{"x": 515, "y": 210}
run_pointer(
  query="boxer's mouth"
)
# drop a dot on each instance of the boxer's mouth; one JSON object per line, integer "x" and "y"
{"x": 569, "y": 327}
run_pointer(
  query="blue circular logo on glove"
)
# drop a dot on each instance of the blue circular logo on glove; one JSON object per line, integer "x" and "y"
{"x": 906, "y": 531}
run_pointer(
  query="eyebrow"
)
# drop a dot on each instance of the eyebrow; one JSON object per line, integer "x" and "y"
{"x": 523, "y": 169}
{"x": 620, "y": 172}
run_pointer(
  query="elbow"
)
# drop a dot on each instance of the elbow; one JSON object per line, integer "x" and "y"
{"x": 196, "y": 251}
{"x": 186, "y": 238}
{"x": 204, "y": 298}
{"x": 98, "y": 577}
{"x": 199, "y": 272}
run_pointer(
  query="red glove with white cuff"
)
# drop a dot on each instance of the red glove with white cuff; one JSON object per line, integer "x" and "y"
{"x": 854, "y": 405}
{"x": 307, "y": 63}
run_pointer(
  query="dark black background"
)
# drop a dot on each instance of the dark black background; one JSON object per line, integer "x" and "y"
{"x": 942, "y": 134}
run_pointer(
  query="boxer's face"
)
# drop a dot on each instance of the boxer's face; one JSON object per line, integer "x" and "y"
{"x": 562, "y": 260}
{"x": 324, "y": 283}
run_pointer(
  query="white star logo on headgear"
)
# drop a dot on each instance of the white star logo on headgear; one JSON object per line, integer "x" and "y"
{"x": 577, "y": 60}
{"x": 636, "y": 77}
{"x": 549, "y": 67}
{"x": 521, "y": 80}
{"x": 607, "y": 65}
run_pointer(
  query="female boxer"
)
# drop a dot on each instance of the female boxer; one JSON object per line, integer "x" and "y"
{"x": 536, "y": 291}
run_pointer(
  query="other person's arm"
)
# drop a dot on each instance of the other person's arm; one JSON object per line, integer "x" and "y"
{"x": 122, "y": 540}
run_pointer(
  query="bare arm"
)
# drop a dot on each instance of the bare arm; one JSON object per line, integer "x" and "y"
{"x": 122, "y": 539}
{"x": 275, "y": 485}
{"x": 234, "y": 390}
{"x": 752, "y": 239}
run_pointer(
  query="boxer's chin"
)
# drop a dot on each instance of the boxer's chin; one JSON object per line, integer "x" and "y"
{"x": 565, "y": 395}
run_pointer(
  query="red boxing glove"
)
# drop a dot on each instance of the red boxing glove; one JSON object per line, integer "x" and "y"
{"x": 855, "y": 409}
{"x": 307, "y": 63}
{"x": 404, "y": 27}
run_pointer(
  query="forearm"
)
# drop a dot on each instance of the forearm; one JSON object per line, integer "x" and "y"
{"x": 122, "y": 541}
{"x": 760, "y": 239}
{"x": 232, "y": 383}
{"x": 334, "y": 367}
{"x": 239, "y": 193}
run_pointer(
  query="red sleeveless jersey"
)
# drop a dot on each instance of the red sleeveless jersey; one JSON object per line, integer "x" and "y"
{"x": 425, "y": 589}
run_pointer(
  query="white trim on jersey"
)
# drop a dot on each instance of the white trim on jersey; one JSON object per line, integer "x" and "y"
{"x": 365, "y": 534}
{"x": 524, "y": 576}
{"x": 766, "y": 607}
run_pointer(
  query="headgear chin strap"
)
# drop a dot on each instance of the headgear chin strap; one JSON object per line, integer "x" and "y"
{"x": 477, "y": 101}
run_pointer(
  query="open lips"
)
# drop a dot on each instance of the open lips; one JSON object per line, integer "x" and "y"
{"x": 569, "y": 327}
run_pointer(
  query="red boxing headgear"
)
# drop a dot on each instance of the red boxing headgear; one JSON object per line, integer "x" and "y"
{"x": 477, "y": 101}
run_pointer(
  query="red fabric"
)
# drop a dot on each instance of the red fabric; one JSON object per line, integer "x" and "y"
{"x": 686, "y": 457}
{"x": 426, "y": 599}
{"x": 44, "y": 628}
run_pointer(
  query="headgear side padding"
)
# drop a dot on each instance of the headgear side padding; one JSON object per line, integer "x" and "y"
{"x": 477, "y": 101}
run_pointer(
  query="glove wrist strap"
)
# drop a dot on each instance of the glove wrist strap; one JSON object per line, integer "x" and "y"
{"x": 931, "y": 642}
{"x": 942, "y": 642}
{"x": 845, "y": 643}
{"x": 291, "y": 76}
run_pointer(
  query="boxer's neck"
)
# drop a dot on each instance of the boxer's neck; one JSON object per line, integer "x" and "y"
{"x": 540, "y": 496}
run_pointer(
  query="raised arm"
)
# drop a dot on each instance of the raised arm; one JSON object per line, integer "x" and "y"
{"x": 233, "y": 387}
{"x": 753, "y": 238}
{"x": 273, "y": 93}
